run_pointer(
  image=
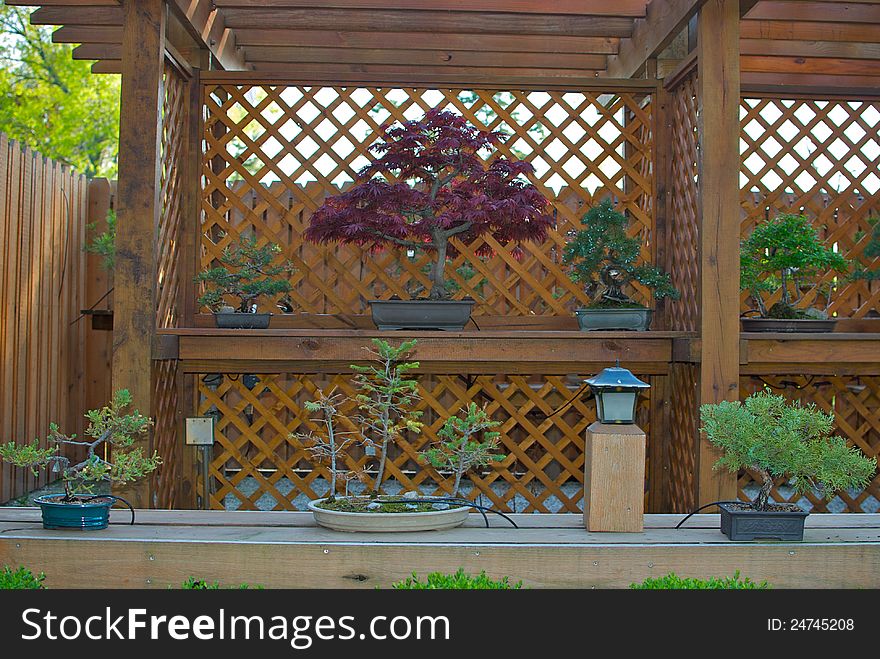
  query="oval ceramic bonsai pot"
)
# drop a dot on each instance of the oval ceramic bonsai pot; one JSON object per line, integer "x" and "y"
{"x": 375, "y": 522}
{"x": 786, "y": 325}
{"x": 739, "y": 522}
{"x": 237, "y": 320}
{"x": 638, "y": 319}
{"x": 449, "y": 315}
{"x": 90, "y": 513}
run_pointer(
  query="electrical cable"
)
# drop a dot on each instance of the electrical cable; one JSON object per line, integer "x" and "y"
{"x": 694, "y": 512}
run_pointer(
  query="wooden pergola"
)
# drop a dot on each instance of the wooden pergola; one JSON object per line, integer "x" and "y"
{"x": 694, "y": 58}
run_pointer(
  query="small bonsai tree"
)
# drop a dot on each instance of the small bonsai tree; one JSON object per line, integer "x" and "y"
{"x": 603, "y": 259}
{"x": 104, "y": 244}
{"x": 330, "y": 444}
{"x": 107, "y": 426}
{"x": 465, "y": 443}
{"x": 246, "y": 273}
{"x": 777, "y": 439}
{"x": 785, "y": 254}
{"x": 428, "y": 185}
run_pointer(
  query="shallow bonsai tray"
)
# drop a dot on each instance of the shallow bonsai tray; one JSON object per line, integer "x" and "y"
{"x": 812, "y": 325}
{"x": 432, "y": 520}
{"x": 447, "y": 315}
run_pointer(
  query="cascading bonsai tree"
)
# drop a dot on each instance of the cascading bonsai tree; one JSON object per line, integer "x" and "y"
{"x": 108, "y": 426}
{"x": 246, "y": 272}
{"x": 466, "y": 442}
{"x": 603, "y": 259}
{"x": 427, "y": 185}
{"x": 785, "y": 254}
{"x": 776, "y": 439}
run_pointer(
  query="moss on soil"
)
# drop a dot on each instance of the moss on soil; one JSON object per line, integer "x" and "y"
{"x": 359, "y": 505}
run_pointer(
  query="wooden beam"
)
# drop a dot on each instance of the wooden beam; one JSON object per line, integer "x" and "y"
{"x": 810, "y": 31}
{"x": 745, "y": 6}
{"x": 830, "y": 12}
{"x": 88, "y": 34}
{"x": 90, "y": 15}
{"x": 455, "y": 22}
{"x": 247, "y": 37}
{"x": 851, "y": 87}
{"x": 819, "y": 65}
{"x": 63, "y": 3}
{"x": 831, "y": 349}
{"x": 134, "y": 314}
{"x": 439, "y": 59}
{"x": 719, "y": 162}
{"x": 107, "y": 51}
{"x": 208, "y": 27}
{"x": 560, "y": 7}
{"x": 809, "y": 49}
{"x": 651, "y": 35}
{"x": 107, "y": 66}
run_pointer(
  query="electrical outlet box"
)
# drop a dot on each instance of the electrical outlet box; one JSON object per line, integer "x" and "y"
{"x": 200, "y": 431}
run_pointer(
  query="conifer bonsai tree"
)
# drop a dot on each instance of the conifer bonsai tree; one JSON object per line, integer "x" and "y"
{"x": 108, "y": 426}
{"x": 465, "y": 442}
{"x": 777, "y": 439}
{"x": 785, "y": 254}
{"x": 427, "y": 185}
{"x": 246, "y": 272}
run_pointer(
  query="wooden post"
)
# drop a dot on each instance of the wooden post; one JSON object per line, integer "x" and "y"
{"x": 134, "y": 314}
{"x": 614, "y": 478}
{"x": 719, "y": 162}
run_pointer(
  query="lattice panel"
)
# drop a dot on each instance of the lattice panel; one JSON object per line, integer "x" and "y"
{"x": 683, "y": 238}
{"x": 682, "y": 449}
{"x": 819, "y": 158}
{"x": 257, "y": 465}
{"x": 855, "y": 402}
{"x": 166, "y": 434}
{"x": 273, "y": 154}
{"x": 170, "y": 191}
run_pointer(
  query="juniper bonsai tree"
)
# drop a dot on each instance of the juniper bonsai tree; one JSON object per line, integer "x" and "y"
{"x": 775, "y": 438}
{"x": 465, "y": 442}
{"x": 785, "y": 254}
{"x": 246, "y": 272}
{"x": 427, "y": 185}
{"x": 603, "y": 258}
{"x": 107, "y": 426}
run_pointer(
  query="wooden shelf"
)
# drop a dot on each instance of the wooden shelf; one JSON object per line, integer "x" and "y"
{"x": 202, "y": 350}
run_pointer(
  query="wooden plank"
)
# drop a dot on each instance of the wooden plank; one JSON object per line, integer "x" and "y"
{"x": 829, "y": 66}
{"x": 247, "y": 37}
{"x": 562, "y": 7}
{"x": 88, "y": 34}
{"x": 828, "y": 351}
{"x": 719, "y": 132}
{"x": 9, "y": 250}
{"x": 77, "y": 16}
{"x": 829, "y": 12}
{"x": 64, "y": 3}
{"x": 809, "y": 49}
{"x": 810, "y": 31}
{"x": 421, "y": 75}
{"x": 614, "y": 478}
{"x": 23, "y": 417}
{"x": 426, "y": 21}
{"x": 651, "y": 35}
{"x": 107, "y": 51}
{"x": 208, "y": 27}
{"x": 658, "y": 443}
{"x": 811, "y": 85}
{"x": 107, "y": 66}
{"x": 98, "y": 346}
{"x": 134, "y": 318}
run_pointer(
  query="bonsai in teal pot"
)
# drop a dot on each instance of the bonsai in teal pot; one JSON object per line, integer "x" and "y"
{"x": 82, "y": 506}
{"x": 604, "y": 259}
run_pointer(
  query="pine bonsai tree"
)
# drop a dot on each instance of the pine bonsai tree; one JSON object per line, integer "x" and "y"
{"x": 331, "y": 443}
{"x": 107, "y": 425}
{"x": 465, "y": 443}
{"x": 429, "y": 184}
{"x": 246, "y": 273}
{"x": 603, "y": 259}
{"x": 785, "y": 254}
{"x": 777, "y": 439}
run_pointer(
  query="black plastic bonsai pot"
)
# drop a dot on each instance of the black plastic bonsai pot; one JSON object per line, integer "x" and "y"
{"x": 739, "y": 522}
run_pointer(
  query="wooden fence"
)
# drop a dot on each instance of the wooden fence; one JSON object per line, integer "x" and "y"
{"x": 54, "y": 365}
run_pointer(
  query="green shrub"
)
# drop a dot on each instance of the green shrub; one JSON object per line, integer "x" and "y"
{"x": 20, "y": 579}
{"x": 457, "y": 581}
{"x": 674, "y": 582}
{"x": 200, "y": 584}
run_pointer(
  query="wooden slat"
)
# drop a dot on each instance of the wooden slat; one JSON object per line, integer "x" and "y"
{"x": 107, "y": 66}
{"x": 830, "y": 12}
{"x": 561, "y": 7}
{"x": 88, "y": 34}
{"x": 809, "y": 49}
{"x": 828, "y": 66}
{"x": 77, "y": 16}
{"x": 103, "y": 51}
{"x": 810, "y": 31}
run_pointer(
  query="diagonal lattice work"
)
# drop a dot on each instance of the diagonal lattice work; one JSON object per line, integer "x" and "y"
{"x": 683, "y": 237}
{"x": 273, "y": 153}
{"x": 820, "y": 158}
{"x": 855, "y": 402}
{"x": 166, "y": 434}
{"x": 257, "y": 465}
{"x": 681, "y": 449}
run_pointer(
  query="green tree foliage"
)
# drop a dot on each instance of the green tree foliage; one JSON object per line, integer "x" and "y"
{"x": 777, "y": 439}
{"x": 674, "y": 582}
{"x": 107, "y": 425}
{"x": 465, "y": 442}
{"x": 458, "y": 581}
{"x": 785, "y": 253}
{"x": 246, "y": 272}
{"x": 54, "y": 103}
{"x": 603, "y": 259}
{"x": 872, "y": 251}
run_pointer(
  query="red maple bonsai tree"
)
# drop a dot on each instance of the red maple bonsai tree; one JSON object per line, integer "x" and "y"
{"x": 429, "y": 184}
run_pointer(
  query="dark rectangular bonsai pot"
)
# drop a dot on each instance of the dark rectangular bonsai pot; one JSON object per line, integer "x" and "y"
{"x": 449, "y": 315}
{"x": 742, "y": 523}
{"x": 236, "y": 320}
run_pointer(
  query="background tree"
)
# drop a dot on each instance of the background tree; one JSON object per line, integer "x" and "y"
{"x": 54, "y": 103}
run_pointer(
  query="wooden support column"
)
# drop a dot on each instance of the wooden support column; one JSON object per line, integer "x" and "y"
{"x": 719, "y": 94}
{"x": 134, "y": 318}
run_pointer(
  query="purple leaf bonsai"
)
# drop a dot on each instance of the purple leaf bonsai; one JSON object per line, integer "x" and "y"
{"x": 429, "y": 184}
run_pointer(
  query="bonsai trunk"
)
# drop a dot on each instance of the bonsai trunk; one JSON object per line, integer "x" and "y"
{"x": 458, "y": 472}
{"x": 438, "y": 279}
{"x": 762, "y": 501}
